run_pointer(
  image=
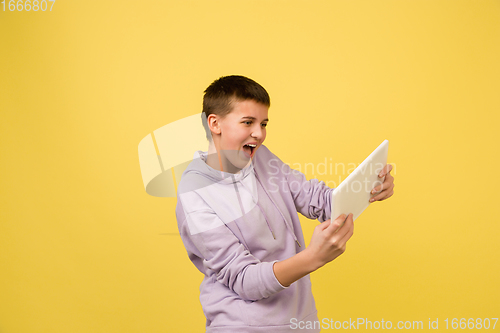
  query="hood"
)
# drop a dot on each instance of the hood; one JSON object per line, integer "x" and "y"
{"x": 199, "y": 166}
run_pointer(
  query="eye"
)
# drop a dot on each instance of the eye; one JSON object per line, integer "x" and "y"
{"x": 264, "y": 124}
{"x": 247, "y": 122}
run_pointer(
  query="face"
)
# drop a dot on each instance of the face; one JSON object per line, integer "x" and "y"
{"x": 240, "y": 133}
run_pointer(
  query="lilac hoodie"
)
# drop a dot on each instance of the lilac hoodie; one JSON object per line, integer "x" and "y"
{"x": 235, "y": 227}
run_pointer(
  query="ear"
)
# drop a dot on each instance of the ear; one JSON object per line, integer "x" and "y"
{"x": 213, "y": 123}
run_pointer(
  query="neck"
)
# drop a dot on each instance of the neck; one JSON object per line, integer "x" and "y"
{"x": 217, "y": 160}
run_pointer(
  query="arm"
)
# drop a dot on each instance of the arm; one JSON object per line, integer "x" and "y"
{"x": 312, "y": 197}
{"x": 216, "y": 251}
{"x": 327, "y": 243}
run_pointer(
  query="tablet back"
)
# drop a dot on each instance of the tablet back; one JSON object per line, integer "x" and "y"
{"x": 353, "y": 194}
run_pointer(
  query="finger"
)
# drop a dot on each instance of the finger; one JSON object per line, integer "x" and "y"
{"x": 389, "y": 177}
{"x": 390, "y": 194}
{"x": 389, "y": 180}
{"x": 348, "y": 234}
{"x": 385, "y": 170}
{"x": 343, "y": 235}
{"x": 383, "y": 195}
{"x": 344, "y": 228}
{"x": 378, "y": 188}
{"x": 323, "y": 225}
{"x": 387, "y": 187}
{"x": 336, "y": 224}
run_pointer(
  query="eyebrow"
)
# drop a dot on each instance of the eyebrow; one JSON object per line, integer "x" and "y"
{"x": 253, "y": 118}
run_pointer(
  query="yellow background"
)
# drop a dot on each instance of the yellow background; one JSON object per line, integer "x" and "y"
{"x": 83, "y": 248}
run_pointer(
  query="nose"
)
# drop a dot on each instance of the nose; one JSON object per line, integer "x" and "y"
{"x": 257, "y": 132}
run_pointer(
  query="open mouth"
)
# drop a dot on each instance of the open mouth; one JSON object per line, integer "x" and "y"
{"x": 250, "y": 148}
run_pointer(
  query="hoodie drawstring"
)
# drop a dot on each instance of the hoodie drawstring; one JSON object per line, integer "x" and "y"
{"x": 288, "y": 226}
{"x": 243, "y": 212}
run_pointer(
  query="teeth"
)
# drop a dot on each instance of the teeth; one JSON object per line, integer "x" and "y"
{"x": 251, "y": 145}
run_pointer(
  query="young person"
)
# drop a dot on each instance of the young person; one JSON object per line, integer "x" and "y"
{"x": 237, "y": 216}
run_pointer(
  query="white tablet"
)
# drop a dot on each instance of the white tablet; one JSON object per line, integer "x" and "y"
{"x": 353, "y": 194}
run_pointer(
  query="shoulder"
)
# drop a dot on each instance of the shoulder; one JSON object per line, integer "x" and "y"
{"x": 194, "y": 176}
{"x": 263, "y": 152}
{"x": 190, "y": 182}
{"x": 264, "y": 158}
{"x": 267, "y": 162}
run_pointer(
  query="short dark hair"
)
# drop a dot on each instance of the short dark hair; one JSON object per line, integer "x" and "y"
{"x": 223, "y": 92}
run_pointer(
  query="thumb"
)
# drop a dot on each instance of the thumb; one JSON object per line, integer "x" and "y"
{"x": 336, "y": 224}
{"x": 323, "y": 225}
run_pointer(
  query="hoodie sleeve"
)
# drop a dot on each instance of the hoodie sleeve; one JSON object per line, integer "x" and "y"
{"x": 216, "y": 250}
{"x": 312, "y": 198}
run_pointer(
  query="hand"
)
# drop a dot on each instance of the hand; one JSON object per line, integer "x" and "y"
{"x": 329, "y": 239}
{"x": 386, "y": 190}
{"x": 327, "y": 243}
